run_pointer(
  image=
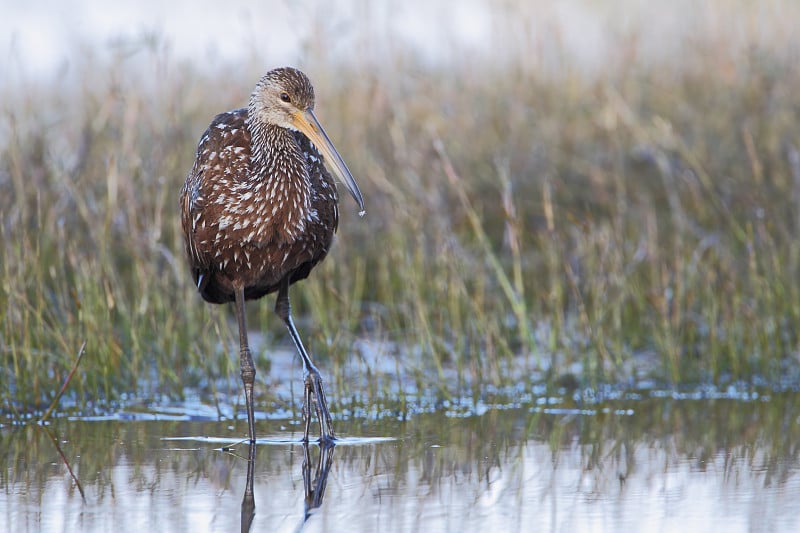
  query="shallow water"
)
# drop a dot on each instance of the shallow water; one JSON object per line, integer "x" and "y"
{"x": 641, "y": 461}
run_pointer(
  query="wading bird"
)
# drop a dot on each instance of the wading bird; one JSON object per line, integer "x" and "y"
{"x": 259, "y": 211}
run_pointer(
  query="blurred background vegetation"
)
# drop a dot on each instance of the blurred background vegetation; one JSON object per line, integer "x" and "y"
{"x": 623, "y": 215}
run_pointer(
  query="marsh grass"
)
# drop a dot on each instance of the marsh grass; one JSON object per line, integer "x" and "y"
{"x": 523, "y": 225}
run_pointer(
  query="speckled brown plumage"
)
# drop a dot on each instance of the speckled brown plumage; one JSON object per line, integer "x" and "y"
{"x": 259, "y": 211}
{"x": 255, "y": 215}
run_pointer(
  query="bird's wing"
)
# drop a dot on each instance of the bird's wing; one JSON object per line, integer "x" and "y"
{"x": 223, "y": 157}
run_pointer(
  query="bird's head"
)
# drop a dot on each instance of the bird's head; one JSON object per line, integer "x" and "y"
{"x": 281, "y": 96}
{"x": 284, "y": 97}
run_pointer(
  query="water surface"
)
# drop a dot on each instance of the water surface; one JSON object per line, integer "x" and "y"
{"x": 640, "y": 461}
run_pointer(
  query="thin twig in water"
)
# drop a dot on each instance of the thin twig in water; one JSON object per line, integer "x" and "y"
{"x": 64, "y": 458}
{"x": 64, "y": 386}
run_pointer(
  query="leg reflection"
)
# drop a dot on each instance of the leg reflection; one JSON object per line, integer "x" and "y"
{"x": 315, "y": 488}
{"x": 248, "y": 501}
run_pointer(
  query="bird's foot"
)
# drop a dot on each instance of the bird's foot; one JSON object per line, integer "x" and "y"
{"x": 315, "y": 393}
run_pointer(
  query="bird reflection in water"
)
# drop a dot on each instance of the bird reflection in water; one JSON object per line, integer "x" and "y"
{"x": 315, "y": 480}
{"x": 248, "y": 501}
{"x": 315, "y": 487}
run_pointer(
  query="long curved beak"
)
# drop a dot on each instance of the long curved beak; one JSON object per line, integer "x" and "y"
{"x": 307, "y": 122}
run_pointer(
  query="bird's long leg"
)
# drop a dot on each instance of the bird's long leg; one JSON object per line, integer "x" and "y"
{"x": 246, "y": 362}
{"x": 313, "y": 382}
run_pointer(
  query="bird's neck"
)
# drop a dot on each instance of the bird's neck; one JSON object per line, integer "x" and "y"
{"x": 277, "y": 160}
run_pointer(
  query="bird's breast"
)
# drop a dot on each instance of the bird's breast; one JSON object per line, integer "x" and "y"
{"x": 259, "y": 207}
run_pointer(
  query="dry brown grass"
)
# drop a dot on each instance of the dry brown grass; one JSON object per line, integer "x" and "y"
{"x": 524, "y": 221}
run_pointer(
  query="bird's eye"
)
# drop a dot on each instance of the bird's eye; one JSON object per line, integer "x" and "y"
{"x": 285, "y": 97}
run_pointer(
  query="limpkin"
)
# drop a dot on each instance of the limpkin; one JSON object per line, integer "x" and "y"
{"x": 259, "y": 210}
